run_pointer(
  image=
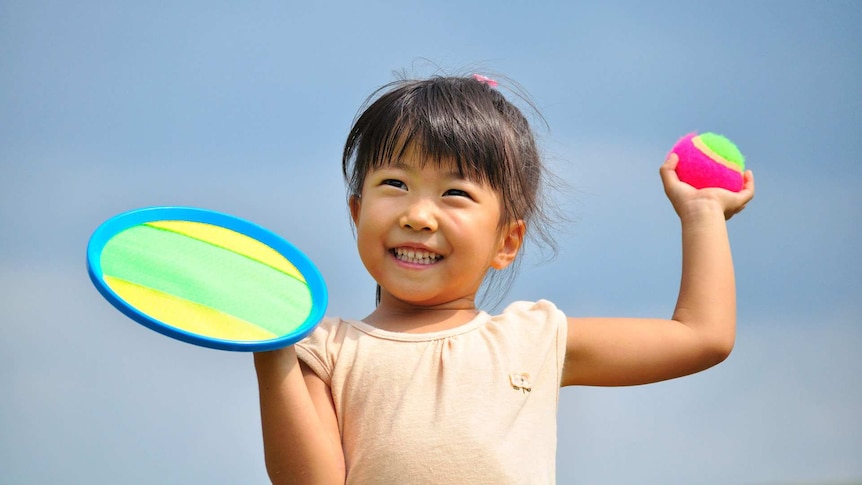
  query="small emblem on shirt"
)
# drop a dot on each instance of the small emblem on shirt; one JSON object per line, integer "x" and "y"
{"x": 520, "y": 381}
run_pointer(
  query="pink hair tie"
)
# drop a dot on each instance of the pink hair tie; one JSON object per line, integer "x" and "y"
{"x": 486, "y": 80}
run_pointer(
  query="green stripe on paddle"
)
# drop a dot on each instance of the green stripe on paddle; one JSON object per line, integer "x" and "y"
{"x": 208, "y": 275}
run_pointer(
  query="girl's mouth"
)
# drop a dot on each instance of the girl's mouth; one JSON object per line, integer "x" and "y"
{"x": 415, "y": 256}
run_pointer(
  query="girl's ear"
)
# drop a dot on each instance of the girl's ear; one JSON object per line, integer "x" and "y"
{"x": 511, "y": 240}
{"x": 354, "y": 202}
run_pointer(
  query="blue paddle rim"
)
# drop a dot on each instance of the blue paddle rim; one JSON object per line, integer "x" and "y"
{"x": 119, "y": 223}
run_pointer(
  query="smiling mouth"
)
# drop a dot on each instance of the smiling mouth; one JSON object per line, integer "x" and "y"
{"x": 415, "y": 256}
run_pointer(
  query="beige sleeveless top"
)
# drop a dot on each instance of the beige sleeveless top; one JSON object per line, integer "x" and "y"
{"x": 474, "y": 404}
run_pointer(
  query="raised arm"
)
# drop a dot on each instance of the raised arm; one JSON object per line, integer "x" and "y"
{"x": 300, "y": 432}
{"x": 701, "y": 332}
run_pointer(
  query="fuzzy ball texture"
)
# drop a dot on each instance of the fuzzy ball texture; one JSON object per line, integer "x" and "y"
{"x": 709, "y": 160}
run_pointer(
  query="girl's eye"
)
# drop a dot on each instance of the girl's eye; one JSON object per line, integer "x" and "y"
{"x": 457, "y": 193}
{"x": 394, "y": 183}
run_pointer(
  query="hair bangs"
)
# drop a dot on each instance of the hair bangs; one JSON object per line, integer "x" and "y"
{"x": 438, "y": 122}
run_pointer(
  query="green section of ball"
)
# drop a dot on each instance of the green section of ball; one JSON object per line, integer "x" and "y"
{"x": 724, "y": 148}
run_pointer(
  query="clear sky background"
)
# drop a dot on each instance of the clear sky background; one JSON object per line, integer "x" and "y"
{"x": 243, "y": 107}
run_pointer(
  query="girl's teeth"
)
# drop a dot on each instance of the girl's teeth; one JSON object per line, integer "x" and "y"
{"x": 416, "y": 256}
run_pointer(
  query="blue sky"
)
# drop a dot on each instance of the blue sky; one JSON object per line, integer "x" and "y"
{"x": 243, "y": 107}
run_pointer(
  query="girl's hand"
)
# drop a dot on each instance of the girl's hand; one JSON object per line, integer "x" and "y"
{"x": 686, "y": 199}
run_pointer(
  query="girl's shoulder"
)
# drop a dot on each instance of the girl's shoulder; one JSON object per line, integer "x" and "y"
{"x": 539, "y": 310}
{"x": 532, "y": 321}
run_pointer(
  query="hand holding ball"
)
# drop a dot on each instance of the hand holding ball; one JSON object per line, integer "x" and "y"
{"x": 709, "y": 160}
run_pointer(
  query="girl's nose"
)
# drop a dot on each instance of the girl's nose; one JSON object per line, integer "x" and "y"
{"x": 419, "y": 216}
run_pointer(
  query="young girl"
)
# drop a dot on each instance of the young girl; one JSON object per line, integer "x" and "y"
{"x": 444, "y": 182}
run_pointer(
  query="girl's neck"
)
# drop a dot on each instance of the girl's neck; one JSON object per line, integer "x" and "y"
{"x": 396, "y": 316}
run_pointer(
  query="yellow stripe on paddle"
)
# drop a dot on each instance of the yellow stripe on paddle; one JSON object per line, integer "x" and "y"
{"x": 186, "y": 315}
{"x": 233, "y": 241}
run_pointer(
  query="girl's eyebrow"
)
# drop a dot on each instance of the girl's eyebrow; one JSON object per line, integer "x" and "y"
{"x": 413, "y": 168}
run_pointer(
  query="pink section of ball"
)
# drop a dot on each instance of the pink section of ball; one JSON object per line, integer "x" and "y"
{"x": 700, "y": 171}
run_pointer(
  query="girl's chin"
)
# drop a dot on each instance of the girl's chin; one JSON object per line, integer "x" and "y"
{"x": 418, "y": 298}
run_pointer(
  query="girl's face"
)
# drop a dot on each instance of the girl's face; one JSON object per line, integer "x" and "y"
{"x": 428, "y": 235}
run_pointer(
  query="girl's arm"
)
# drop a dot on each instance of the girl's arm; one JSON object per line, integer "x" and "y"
{"x": 628, "y": 351}
{"x": 300, "y": 433}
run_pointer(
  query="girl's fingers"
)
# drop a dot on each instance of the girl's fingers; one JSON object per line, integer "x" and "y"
{"x": 668, "y": 168}
{"x": 671, "y": 161}
{"x": 669, "y": 177}
{"x": 748, "y": 186}
{"x": 743, "y": 197}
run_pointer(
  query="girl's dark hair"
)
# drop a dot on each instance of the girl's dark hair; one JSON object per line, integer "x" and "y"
{"x": 458, "y": 120}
